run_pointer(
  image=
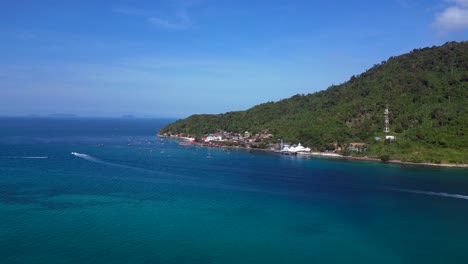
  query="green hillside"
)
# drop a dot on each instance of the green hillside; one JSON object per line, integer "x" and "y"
{"x": 425, "y": 90}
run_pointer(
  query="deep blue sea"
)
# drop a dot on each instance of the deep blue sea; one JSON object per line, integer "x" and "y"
{"x": 143, "y": 199}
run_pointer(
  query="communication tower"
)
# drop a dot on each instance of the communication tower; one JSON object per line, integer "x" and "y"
{"x": 386, "y": 124}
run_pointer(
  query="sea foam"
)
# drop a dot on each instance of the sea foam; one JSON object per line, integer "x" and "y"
{"x": 441, "y": 194}
{"x": 96, "y": 160}
{"x": 24, "y": 157}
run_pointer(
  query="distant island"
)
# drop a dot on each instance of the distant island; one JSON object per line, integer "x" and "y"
{"x": 411, "y": 108}
{"x": 63, "y": 115}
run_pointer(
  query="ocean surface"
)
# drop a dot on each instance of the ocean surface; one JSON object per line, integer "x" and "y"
{"x": 143, "y": 199}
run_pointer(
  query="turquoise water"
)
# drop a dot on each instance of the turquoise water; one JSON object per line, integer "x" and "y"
{"x": 141, "y": 199}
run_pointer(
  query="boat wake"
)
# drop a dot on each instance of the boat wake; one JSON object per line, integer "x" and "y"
{"x": 441, "y": 194}
{"x": 87, "y": 157}
{"x": 25, "y": 157}
{"x": 95, "y": 160}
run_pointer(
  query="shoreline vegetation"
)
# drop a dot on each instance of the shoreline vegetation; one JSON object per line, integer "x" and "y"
{"x": 410, "y": 109}
{"x": 191, "y": 141}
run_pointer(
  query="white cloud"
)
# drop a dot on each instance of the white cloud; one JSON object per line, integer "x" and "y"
{"x": 182, "y": 21}
{"x": 174, "y": 17}
{"x": 453, "y": 18}
{"x": 460, "y": 2}
{"x": 131, "y": 11}
{"x": 405, "y": 3}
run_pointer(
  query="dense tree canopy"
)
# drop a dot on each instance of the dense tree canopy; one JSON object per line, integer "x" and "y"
{"x": 425, "y": 90}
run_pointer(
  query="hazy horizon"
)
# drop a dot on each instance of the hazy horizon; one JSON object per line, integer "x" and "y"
{"x": 112, "y": 116}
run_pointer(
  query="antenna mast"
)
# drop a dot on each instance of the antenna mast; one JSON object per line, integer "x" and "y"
{"x": 386, "y": 124}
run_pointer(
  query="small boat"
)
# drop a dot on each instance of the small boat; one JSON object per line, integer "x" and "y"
{"x": 74, "y": 153}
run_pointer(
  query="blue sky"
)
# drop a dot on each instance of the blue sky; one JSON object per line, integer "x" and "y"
{"x": 180, "y": 57}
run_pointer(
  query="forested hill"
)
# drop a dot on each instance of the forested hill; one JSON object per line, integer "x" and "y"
{"x": 425, "y": 90}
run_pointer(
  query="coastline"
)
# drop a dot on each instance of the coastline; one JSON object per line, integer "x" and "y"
{"x": 334, "y": 155}
{"x": 442, "y": 165}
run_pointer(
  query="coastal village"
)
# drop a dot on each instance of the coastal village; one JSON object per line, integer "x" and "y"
{"x": 255, "y": 141}
{"x": 267, "y": 141}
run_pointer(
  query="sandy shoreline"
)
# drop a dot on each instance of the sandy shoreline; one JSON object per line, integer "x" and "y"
{"x": 335, "y": 155}
{"x": 446, "y": 165}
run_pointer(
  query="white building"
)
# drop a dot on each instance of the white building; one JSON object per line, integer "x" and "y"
{"x": 297, "y": 149}
{"x": 213, "y": 138}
